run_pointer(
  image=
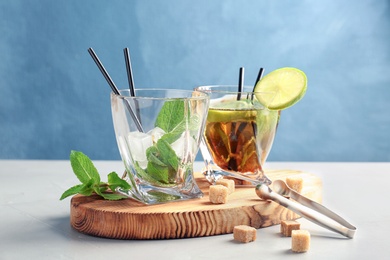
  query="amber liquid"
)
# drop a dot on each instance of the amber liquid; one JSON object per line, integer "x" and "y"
{"x": 241, "y": 145}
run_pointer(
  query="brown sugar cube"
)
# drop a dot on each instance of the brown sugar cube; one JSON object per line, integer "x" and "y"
{"x": 244, "y": 234}
{"x": 300, "y": 241}
{"x": 218, "y": 194}
{"x": 287, "y": 226}
{"x": 295, "y": 183}
{"x": 227, "y": 183}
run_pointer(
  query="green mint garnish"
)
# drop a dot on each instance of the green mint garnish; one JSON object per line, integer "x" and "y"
{"x": 83, "y": 167}
{"x": 170, "y": 116}
{"x": 89, "y": 177}
{"x": 162, "y": 166}
{"x": 172, "y": 119}
{"x": 163, "y": 162}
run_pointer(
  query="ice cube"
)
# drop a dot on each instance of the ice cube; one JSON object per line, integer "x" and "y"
{"x": 156, "y": 133}
{"x": 138, "y": 143}
{"x": 185, "y": 147}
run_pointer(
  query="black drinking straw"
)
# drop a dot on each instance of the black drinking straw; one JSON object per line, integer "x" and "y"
{"x": 130, "y": 79}
{"x": 259, "y": 76}
{"x": 240, "y": 83}
{"x": 129, "y": 71}
{"x": 103, "y": 71}
{"x": 113, "y": 87}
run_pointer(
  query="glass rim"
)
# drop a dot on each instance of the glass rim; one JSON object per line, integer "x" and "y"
{"x": 200, "y": 95}
{"x": 234, "y": 91}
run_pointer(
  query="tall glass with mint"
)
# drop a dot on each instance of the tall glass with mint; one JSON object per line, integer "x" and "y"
{"x": 158, "y": 134}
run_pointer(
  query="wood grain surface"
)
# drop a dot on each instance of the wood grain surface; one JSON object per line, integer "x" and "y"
{"x": 129, "y": 219}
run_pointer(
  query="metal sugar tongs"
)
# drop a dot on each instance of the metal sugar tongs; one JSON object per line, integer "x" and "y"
{"x": 300, "y": 204}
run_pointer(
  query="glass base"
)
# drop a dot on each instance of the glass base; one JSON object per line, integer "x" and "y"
{"x": 151, "y": 194}
{"x": 212, "y": 174}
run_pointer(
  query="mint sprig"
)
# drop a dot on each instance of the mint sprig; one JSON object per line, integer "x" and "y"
{"x": 163, "y": 162}
{"x": 89, "y": 177}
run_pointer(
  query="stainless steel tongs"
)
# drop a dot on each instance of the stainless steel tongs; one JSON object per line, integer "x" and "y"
{"x": 300, "y": 204}
{"x": 305, "y": 207}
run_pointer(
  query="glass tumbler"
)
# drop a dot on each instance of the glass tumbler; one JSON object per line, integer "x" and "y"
{"x": 239, "y": 133}
{"x": 158, "y": 132}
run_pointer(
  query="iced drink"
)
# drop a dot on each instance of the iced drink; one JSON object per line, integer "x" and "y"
{"x": 239, "y": 133}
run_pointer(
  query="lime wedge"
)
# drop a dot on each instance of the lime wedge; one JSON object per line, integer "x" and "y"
{"x": 230, "y": 115}
{"x": 228, "y": 110}
{"x": 288, "y": 84}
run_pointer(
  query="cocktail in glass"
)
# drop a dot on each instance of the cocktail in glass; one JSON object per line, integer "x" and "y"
{"x": 158, "y": 134}
{"x": 239, "y": 133}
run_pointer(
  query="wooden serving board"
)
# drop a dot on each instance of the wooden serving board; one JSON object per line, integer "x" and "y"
{"x": 129, "y": 219}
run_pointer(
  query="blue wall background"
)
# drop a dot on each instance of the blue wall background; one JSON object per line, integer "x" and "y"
{"x": 53, "y": 98}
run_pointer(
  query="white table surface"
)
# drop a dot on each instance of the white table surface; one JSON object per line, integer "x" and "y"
{"x": 34, "y": 223}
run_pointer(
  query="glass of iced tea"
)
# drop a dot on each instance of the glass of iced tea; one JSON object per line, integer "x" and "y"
{"x": 239, "y": 133}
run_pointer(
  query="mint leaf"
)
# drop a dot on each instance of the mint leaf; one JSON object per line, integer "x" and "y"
{"x": 113, "y": 196}
{"x": 100, "y": 189}
{"x": 114, "y": 181}
{"x": 175, "y": 133}
{"x": 158, "y": 173}
{"x": 154, "y": 174}
{"x": 153, "y": 154}
{"x": 71, "y": 191}
{"x": 163, "y": 162}
{"x": 87, "y": 189}
{"x": 167, "y": 154}
{"x": 170, "y": 115}
{"x": 89, "y": 177}
{"x": 83, "y": 167}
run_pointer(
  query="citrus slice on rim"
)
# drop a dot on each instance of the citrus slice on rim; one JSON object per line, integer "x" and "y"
{"x": 288, "y": 84}
{"x": 230, "y": 115}
{"x": 230, "y": 111}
